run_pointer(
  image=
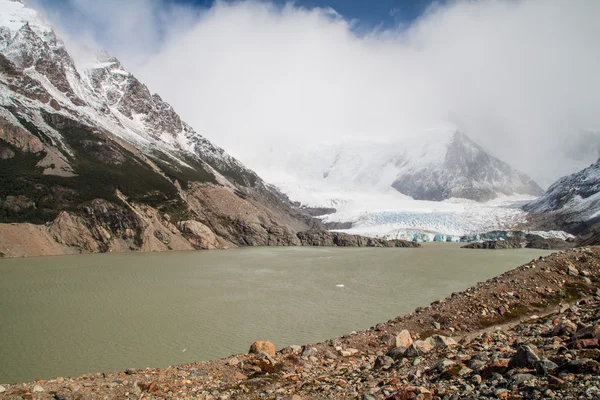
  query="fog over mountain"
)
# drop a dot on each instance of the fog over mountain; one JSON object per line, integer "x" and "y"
{"x": 519, "y": 77}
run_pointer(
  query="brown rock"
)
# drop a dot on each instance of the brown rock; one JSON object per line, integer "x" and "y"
{"x": 263, "y": 346}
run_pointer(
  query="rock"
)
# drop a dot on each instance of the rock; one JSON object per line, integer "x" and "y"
{"x": 519, "y": 379}
{"x": 199, "y": 235}
{"x": 397, "y": 353}
{"x": 262, "y": 346}
{"x": 388, "y": 340}
{"x": 545, "y": 367}
{"x": 233, "y": 361}
{"x": 367, "y": 396}
{"x": 584, "y": 344}
{"x": 295, "y": 348}
{"x": 564, "y": 327}
{"x": 443, "y": 365}
{"x": 588, "y": 332}
{"x": 328, "y": 354}
{"x": 526, "y": 357}
{"x": 37, "y": 389}
{"x": 580, "y": 366}
{"x": 2, "y": 389}
{"x": 571, "y": 270}
{"x": 131, "y": 371}
{"x": 442, "y": 341}
{"x": 476, "y": 364}
{"x": 403, "y": 339}
{"x": 476, "y": 379}
{"x": 308, "y": 351}
{"x": 384, "y": 362}
{"x": 418, "y": 348}
{"x": 348, "y": 352}
{"x": 58, "y": 396}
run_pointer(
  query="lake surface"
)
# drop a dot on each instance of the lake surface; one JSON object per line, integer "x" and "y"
{"x": 65, "y": 316}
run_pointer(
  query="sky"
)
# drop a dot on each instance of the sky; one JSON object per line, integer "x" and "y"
{"x": 520, "y": 77}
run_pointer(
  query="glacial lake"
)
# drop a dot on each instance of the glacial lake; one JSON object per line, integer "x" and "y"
{"x": 65, "y": 316}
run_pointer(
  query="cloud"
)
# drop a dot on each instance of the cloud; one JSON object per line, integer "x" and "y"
{"x": 519, "y": 77}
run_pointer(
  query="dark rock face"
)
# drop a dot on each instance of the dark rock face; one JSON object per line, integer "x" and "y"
{"x": 494, "y": 244}
{"x": 467, "y": 172}
{"x": 326, "y": 238}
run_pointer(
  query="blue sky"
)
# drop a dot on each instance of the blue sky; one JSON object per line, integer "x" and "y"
{"x": 369, "y": 13}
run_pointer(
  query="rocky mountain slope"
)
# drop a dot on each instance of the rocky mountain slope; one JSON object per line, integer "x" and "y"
{"x": 530, "y": 333}
{"x": 90, "y": 160}
{"x": 572, "y": 203}
{"x": 435, "y": 165}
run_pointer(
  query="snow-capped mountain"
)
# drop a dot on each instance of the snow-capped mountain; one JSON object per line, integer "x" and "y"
{"x": 573, "y": 202}
{"x": 108, "y": 164}
{"x": 437, "y": 165}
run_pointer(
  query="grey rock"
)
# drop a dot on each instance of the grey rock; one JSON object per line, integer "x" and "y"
{"x": 295, "y": 348}
{"x": 443, "y": 365}
{"x": 309, "y": 351}
{"x": 545, "y": 367}
{"x": 526, "y": 357}
{"x": 519, "y": 379}
{"x": 2, "y": 389}
{"x": 442, "y": 341}
{"x": 328, "y": 354}
{"x": 476, "y": 364}
{"x": 578, "y": 366}
{"x": 384, "y": 362}
{"x": 397, "y": 353}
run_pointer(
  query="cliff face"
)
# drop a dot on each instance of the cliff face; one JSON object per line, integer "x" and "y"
{"x": 92, "y": 161}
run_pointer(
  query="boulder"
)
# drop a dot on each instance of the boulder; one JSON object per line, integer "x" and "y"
{"x": 397, "y": 353}
{"x": 571, "y": 270}
{"x": 442, "y": 341}
{"x": 263, "y": 346}
{"x": 403, "y": 339}
{"x": 588, "y": 332}
{"x": 418, "y": 348}
{"x": 526, "y": 357}
{"x": 545, "y": 367}
{"x": 308, "y": 351}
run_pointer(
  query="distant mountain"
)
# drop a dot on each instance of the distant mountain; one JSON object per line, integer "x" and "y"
{"x": 437, "y": 165}
{"x": 98, "y": 163}
{"x": 466, "y": 170}
{"x": 572, "y": 203}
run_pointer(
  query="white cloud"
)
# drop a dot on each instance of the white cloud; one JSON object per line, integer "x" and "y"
{"x": 520, "y": 77}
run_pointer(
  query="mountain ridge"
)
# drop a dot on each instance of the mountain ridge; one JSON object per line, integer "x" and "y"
{"x": 97, "y": 163}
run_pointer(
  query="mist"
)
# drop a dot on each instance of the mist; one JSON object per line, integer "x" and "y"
{"x": 519, "y": 77}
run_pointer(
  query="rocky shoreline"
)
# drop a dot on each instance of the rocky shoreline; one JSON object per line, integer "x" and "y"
{"x": 532, "y": 332}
